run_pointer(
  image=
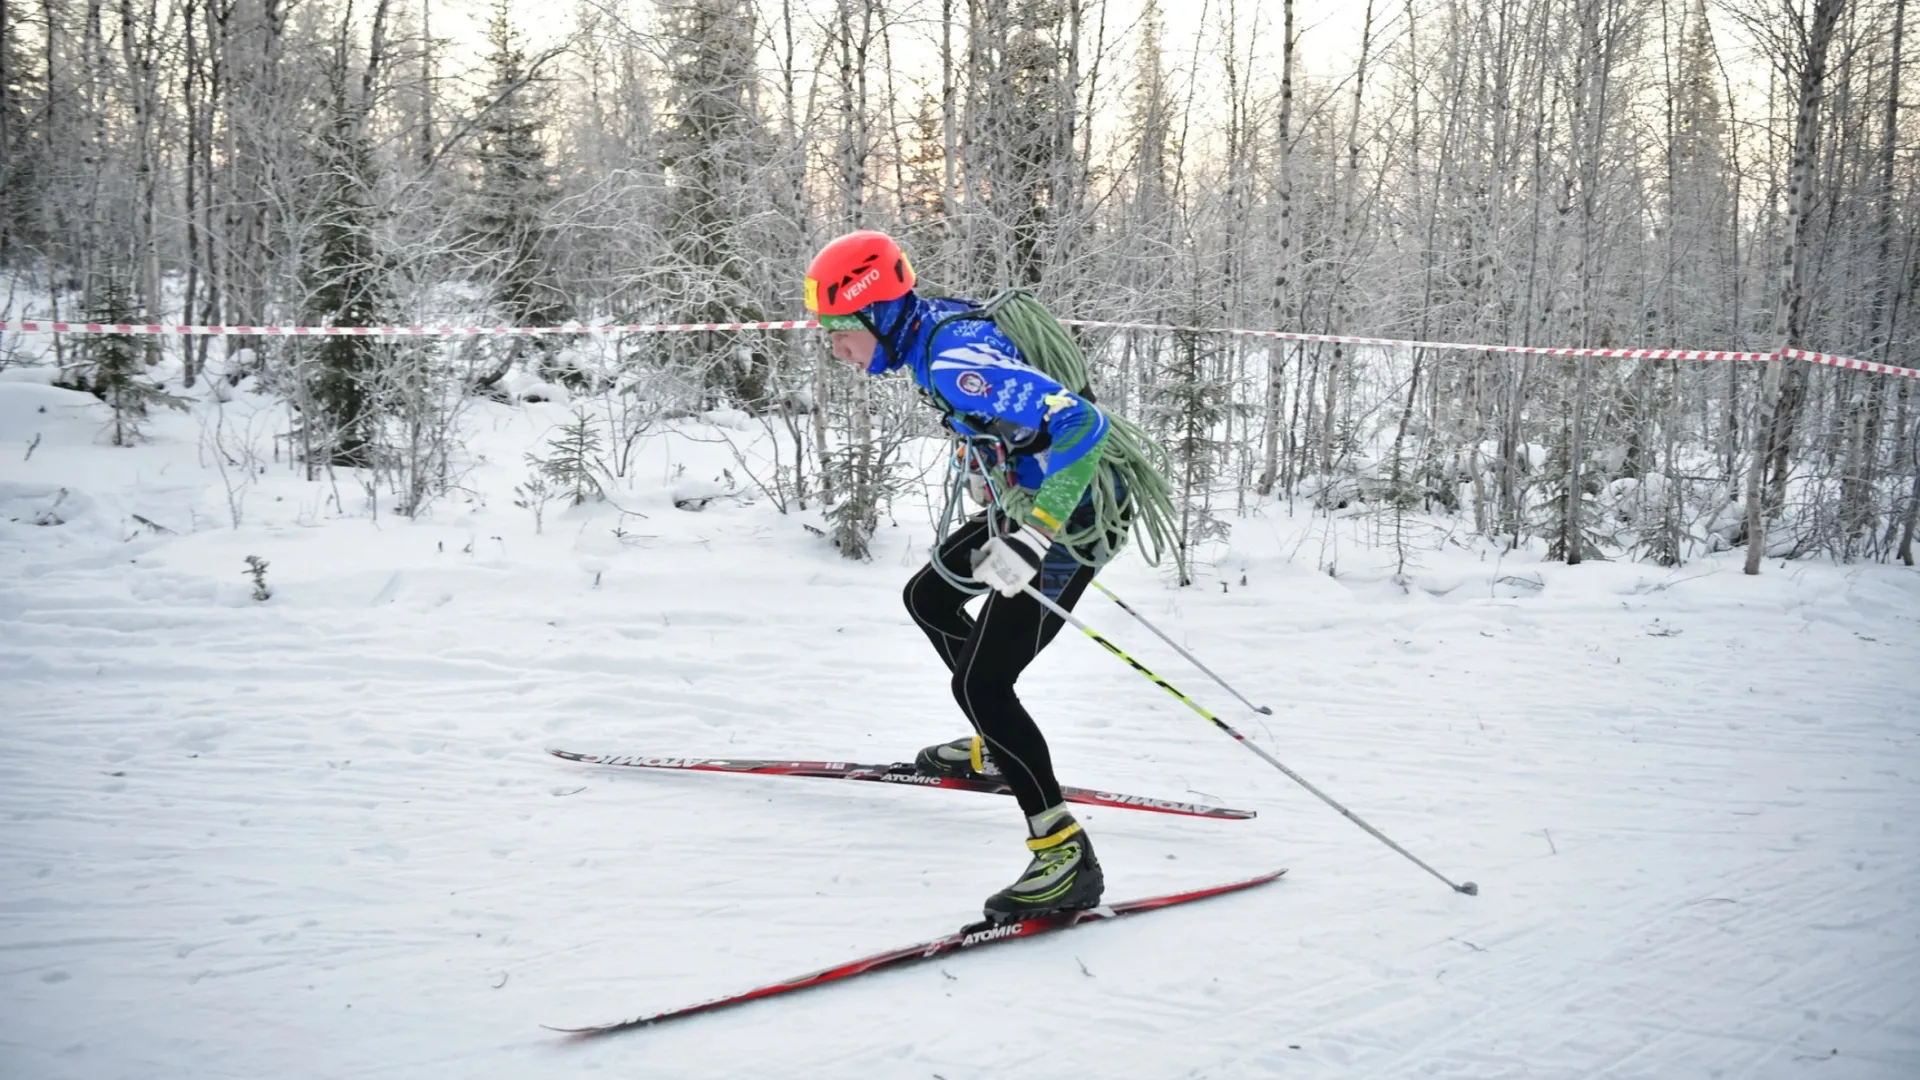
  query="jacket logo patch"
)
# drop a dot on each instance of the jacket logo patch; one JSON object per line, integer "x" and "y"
{"x": 972, "y": 382}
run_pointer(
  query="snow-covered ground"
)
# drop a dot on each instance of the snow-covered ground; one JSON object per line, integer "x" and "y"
{"x": 318, "y": 836}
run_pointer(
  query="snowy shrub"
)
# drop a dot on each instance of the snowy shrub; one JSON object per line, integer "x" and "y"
{"x": 729, "y": 418}
{"x": 696, "y": 496}
{"x": 572, "y": 465}
{"x": 113, "y": 368}
{"x": 257, "y": 570}
{"x": 534, "y": 494}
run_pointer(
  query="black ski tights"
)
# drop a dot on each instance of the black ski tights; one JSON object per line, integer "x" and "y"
{"x": 987, "y": 655}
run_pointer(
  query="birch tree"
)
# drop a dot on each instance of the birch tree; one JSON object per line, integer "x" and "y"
{"x": 1773, "y": 428}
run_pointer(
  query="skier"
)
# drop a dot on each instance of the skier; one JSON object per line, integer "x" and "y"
{"x": 1018, "y": 424}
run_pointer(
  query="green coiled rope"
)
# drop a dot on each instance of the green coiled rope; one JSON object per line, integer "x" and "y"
{"x": 1130, "y": 490}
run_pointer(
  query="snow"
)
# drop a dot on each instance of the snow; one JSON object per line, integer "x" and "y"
{"x": 318, "y": 836}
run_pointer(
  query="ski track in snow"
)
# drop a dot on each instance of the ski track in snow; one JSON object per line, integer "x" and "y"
{"x": 320, "y": 837}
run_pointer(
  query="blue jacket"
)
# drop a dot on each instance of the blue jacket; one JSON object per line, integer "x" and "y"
{"x": 986, "y": 387}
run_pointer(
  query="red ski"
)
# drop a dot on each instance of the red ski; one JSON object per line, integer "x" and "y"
{"x": 895, "y": 774}
{"x": 971, "y": 936}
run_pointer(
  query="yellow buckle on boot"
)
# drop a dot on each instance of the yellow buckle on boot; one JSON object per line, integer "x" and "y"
{"x": 1054, "y": 839}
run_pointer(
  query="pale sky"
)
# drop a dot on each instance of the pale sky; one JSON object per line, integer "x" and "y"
{"x": 1328, "y": 30}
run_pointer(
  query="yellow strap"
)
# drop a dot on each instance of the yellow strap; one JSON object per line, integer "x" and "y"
{"x": 1042, "y": 843}
{"x": 978, "y": 765}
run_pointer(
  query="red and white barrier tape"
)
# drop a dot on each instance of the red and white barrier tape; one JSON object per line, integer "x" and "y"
{"x": 171, "y": 330}
{"x": 1450, "y": 346}
{"x": 1533, "y": 350}
{"x": 1849, "y": 363}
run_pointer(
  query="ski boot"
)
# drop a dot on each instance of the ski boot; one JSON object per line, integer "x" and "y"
{"x": 965, "y": 758}
{"x": 1063, "y": 876}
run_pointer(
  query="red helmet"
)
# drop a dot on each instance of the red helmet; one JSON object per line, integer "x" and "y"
{"x": 858, "y": 269}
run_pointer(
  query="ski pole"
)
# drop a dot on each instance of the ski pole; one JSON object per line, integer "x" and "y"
{"x": 1195, "y": 661}
{"x": 1466, "y": 887}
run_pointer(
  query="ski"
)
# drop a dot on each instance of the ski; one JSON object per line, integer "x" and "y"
{"x": 899, "y": 773}
{"x": 971, "y": 936}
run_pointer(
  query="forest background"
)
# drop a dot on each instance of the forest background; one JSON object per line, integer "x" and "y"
{"x": 1736, "y": 175}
